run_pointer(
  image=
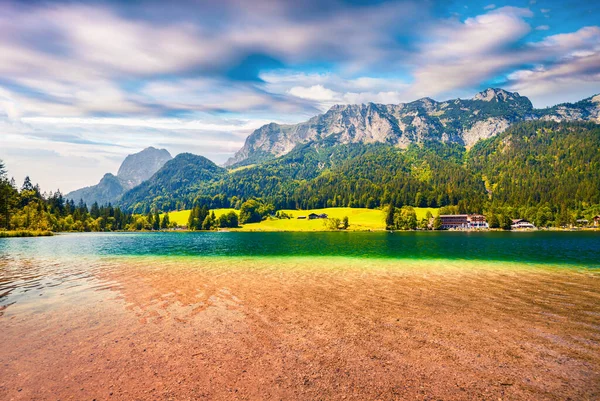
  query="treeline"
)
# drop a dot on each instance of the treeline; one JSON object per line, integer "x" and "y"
{"x": 251, "y": 211}
{"x": 28, "y": 209}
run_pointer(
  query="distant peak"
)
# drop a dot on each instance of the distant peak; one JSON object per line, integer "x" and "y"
{"x": 496, "y": 94}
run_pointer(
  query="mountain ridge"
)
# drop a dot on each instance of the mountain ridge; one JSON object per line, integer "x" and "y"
{"x": 487, "y": 114}
{"x": 135, "y": 169}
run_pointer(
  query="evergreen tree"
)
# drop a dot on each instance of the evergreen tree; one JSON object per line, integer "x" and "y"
{"x": 389, "y": 218}
{"x": 165, "y": 221}
{"x": 156, "y": 221}
{"x": 95, "y": 211}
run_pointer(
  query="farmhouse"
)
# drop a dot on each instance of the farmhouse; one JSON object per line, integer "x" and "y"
{"x": 521, "y": 224}
{"x": 313, "y": 216}
{"x": 596, "y": 221}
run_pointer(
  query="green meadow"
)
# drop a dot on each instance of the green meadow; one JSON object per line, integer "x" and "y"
{"x": 360, "y": 219}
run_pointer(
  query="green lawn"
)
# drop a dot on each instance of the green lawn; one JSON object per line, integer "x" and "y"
{"x": 360, "y": 219}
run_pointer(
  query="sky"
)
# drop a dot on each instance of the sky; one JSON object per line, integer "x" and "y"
{"x": 83, "y": 84}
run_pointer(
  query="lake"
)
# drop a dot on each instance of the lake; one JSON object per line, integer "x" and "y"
{"x": 340, "y": 315}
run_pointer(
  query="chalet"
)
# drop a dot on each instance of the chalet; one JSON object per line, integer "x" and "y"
{"x": 454, "y": 221}
{"x": 520, "y": 224}
{"x": 597, "y": 221}
{"x": 477, "y": 221}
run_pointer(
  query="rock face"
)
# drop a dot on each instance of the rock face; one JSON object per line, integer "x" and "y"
{"x": 138, "y": 167}
{"x": 459, "y": 121}
{"x": 134, "y": 170}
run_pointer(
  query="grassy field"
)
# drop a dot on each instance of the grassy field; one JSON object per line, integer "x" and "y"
{"x": 181, "y": 217}
{"x": 360, "y": 219}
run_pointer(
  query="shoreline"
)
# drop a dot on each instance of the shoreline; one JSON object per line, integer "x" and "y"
{"x": 26, "y": 234}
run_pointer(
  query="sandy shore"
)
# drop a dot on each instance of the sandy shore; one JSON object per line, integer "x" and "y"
{"x": 309, "y": 329}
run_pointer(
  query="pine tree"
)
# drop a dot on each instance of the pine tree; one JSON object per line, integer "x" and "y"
{"x": 156, "y": 222}
{"x": 165, "y": 221}
{"x": 389, "y": 218}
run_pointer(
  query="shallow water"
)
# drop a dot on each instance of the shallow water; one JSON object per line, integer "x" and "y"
{"x": 300, "y": 316}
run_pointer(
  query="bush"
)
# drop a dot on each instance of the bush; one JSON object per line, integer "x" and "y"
{"x": 229, "y": 220}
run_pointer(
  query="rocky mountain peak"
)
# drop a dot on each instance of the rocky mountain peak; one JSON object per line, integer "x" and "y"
{"x": 496, "y": 95}
{"x": 457, "y": 121}
{"x": 138, "y": 167}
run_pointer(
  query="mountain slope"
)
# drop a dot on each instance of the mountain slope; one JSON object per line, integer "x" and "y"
{"x": 175, "y": 181}
{"x": 135, "y": 169}
{"x": 106, "y": 191}
{"x": 464, "y": 122}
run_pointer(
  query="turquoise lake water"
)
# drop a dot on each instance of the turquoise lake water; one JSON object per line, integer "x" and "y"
{"x": 556, "y": 248}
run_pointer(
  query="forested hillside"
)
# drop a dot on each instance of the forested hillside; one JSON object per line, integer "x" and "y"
{"x": 536, "y": 164}
{"x": 179, "y": 179}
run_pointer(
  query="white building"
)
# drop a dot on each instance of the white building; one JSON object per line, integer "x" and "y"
{"x": 522, "y": 224}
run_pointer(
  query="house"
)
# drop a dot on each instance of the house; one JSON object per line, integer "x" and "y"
{"x": 596, "y": 221}
{"x": 313, "y": 216}
{"x": 454, "y": 221}
{"x": 520, "y": 224}
{"x": 477, "y": 222}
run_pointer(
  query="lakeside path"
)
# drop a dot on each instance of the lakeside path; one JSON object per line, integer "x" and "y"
{"x": 297, "y": 328}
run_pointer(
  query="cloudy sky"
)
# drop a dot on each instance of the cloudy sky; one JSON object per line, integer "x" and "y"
{"x": 84, "y": 84}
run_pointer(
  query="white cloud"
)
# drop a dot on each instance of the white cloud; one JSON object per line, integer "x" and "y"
{"x": 460, "y": 54}
{"x": 315, "y": 92}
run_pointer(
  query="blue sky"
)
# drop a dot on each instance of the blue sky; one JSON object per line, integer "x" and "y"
{"x": 84, "y": 84}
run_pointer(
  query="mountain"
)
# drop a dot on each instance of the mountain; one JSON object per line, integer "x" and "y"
{"x": 135, "y": 169}
{"x": 138, "y": 167}
{"x": 176, "y": 180}
{"x": 463, "y": 122}
{"x": 106, "y": 191}
{"x": 533, "y": 165}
